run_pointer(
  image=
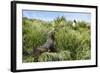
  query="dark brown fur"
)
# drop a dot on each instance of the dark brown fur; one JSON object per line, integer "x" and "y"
{"x": 48, "y": 46}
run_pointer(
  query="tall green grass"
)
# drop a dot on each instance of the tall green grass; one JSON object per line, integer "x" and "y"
{"x": 72, "y": 43}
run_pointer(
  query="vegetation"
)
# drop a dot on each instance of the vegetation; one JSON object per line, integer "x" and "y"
{"x": 72, "y": 42}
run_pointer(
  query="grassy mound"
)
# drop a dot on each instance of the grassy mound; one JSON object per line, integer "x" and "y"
{"x": 72, "y": 43}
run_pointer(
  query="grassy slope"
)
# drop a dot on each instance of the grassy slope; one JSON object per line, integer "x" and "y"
{"x": 72, "y": 43}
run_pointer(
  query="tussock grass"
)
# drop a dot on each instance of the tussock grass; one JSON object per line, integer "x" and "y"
{"x": 72, "y": 43}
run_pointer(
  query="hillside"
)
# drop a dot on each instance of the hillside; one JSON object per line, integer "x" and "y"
{"x": 72, "y": 42}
